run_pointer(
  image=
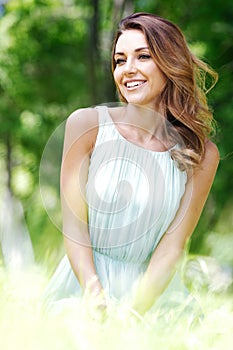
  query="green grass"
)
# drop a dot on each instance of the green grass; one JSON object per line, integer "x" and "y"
{"x": 24, "y": 326}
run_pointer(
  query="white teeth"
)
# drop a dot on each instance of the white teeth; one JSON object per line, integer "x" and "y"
{"x": 132, "y": 84}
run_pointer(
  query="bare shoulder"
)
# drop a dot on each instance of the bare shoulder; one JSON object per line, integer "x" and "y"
{"x": 205, "y": 173}
{"x": 84, "y": 118}
{"x": 212, "y": 148}
{"x": 211, "y": 155}
{"x": 82, "y": 126}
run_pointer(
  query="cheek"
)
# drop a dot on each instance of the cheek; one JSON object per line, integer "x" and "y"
{"x": 116, "y": 76}
{"x": 161, "y": 78}
{"x": 117, "y": 79}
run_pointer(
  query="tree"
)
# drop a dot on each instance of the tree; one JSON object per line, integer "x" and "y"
{"x": 55, "y": 57}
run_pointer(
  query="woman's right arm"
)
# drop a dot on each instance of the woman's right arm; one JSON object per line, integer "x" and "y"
{"x": 80, "y": 135}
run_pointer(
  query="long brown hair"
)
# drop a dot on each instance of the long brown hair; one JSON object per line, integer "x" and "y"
{"x": 184, "y": 96}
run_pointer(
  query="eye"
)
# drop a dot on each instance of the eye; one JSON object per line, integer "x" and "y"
{"x": 144, "y": 56}
{"x": 119, "y": 61}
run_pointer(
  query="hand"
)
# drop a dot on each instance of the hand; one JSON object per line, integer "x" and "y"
{"x": 96, "y": 306}
{"x": 95, "y": 300}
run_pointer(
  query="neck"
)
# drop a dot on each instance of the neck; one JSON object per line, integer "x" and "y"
{"x": 144, "y": 119}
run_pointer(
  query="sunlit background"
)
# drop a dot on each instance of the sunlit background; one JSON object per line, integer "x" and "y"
{"x": 55, "y": 58}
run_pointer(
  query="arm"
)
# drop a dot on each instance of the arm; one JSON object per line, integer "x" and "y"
{"x": 80, "y": 136}
{"x": 166, "y": 256}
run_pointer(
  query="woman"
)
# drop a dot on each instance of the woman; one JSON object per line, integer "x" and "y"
{"x": 135, "y": 178}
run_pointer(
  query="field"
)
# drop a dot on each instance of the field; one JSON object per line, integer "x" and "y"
{"x": 23, "y": 324}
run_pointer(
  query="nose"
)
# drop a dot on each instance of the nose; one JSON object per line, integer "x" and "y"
{"x": 130, "y": 66}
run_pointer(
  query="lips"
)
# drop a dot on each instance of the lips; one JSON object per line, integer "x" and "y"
{"x": 134, "y": 83}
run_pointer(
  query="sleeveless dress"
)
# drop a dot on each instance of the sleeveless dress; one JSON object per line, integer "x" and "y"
{"x": 132, "y": 195}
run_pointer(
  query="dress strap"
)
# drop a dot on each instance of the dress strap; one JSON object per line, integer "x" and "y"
{"x": 107, "y": 131}
{"x": 102, "y": 115}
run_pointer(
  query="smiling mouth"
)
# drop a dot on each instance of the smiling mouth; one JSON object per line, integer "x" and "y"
{"x": 134, "y": 84}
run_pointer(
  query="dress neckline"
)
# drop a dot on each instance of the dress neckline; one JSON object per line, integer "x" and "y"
{"x": 131, "y": 143}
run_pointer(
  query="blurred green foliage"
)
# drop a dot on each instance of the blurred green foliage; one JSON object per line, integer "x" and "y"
{"x": 55, "y": 58}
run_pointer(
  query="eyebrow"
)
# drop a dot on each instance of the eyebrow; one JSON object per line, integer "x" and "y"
{"x": 136, "y": 50}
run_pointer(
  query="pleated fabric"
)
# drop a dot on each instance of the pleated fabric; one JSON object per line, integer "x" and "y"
{"x": 132, "y": 195}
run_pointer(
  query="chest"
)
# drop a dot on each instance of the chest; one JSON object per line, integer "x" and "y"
{"x": 127, "y": 178}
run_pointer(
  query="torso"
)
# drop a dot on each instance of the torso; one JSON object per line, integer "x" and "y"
{"x": 132, "y": 194}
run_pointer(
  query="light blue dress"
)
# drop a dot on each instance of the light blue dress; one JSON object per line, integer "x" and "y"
{"x": 133, "y": 195}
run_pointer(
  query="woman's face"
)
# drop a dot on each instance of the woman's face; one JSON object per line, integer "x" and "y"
{"x": 136, "y": 75}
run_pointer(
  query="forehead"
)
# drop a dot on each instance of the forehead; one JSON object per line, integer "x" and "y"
{"x": 130, "y": 39}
